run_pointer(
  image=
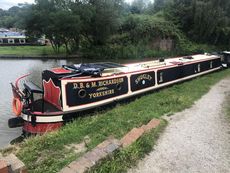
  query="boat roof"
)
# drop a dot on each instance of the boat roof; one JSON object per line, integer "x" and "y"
{"x": 110, "y": 68}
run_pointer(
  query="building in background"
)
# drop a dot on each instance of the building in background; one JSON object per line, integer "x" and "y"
{"x": 8, "y": 37}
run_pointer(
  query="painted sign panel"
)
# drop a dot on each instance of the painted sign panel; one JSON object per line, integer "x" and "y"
{"x": 79, "y": 93}
{"x": 142, "y": 81}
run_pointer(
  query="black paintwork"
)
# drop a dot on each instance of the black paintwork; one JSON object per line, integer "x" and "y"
{"x": 81, "y": 95}
{"x": 74, "y": 98}
{"x": 30, "y": 86}
{"x": 175, "y": 73}
{"x": 142, "y": 81}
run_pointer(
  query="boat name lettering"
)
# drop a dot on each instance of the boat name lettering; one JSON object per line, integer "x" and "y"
{"x": 110, "y": 82}
{"x": 80, "y": 85}
{"x": 143, "y": 76}
{"x": 101, "y": 94}
{"x": 103, "y": 83}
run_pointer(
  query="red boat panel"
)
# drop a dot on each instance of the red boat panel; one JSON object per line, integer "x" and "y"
{"x": 41, "y": 128}
{"x": 52, "y": 93}
{"x": 60, "y": 71}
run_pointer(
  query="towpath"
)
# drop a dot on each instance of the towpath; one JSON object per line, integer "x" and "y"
{"x": 196, "y": 140}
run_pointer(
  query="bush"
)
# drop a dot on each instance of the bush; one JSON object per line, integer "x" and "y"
{"x": 131, "y": 51}
{"x": 135, "y": 38}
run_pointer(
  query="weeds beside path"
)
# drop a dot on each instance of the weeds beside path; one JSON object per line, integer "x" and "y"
{"x": 48, "y": 153}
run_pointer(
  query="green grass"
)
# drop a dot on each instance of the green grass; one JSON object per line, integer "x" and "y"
{"x": 28, "y": 50}
{"x": 47, "y": 153}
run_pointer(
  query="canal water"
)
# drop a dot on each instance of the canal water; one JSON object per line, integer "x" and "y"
{"x": 10, "y": 70}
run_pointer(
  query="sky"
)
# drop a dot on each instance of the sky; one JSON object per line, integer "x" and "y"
{"x": 6, "y": 4}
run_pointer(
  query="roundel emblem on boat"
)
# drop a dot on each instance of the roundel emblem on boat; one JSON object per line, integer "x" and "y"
{"x": 82, "y": 93}
{"x": 143, "y": 82}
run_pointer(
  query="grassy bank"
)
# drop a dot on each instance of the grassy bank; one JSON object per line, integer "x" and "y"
{"x": 47, "y": 153}
{"x": 126, "y": 158}
{"x": 28, "y": 50}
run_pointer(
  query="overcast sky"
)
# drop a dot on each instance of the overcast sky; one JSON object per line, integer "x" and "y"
{"x": 6, "y": 4}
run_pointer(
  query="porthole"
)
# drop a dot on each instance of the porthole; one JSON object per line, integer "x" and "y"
{"x": 82, "y": 93}
{"x": 118, "y": 86}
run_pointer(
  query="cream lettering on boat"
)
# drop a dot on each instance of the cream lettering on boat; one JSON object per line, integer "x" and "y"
{"x": 101, "y": 94}
{"x": 103, "y": 83}
{"x": 143, "y": 76}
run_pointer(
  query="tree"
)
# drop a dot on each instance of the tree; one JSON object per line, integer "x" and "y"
{"x": 159, "y": 5}
{"x": 202, "y": 20}
{"x": 105, "y": 19}
{"x": 59, "y": 24}
{"x": 68, "y": 28}
{"x": 137, "y": 6}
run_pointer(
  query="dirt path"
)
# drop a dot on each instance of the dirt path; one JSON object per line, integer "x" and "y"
{"x": 196, "y": 140}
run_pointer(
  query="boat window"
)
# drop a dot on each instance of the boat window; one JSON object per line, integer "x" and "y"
{"x": 1, "y": 41}
{"x": 211, "y": 64}
{"x": 161, "y": 77}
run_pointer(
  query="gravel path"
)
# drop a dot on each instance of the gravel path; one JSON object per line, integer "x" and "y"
{"x": 196, "y": 140}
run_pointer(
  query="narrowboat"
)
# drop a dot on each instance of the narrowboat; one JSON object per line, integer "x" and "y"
{"x": 74, "y": 88}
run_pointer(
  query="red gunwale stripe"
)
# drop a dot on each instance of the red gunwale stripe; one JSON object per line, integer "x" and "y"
{"x": 135, "y": 72}
{"x": 47, "y": 113}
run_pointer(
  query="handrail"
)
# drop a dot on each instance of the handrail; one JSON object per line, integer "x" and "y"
{"x": 18, "y": 79}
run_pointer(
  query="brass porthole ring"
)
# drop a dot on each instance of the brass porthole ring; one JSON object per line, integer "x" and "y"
{"x": 82, "y": 93}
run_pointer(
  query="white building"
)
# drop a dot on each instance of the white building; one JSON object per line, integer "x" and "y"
{"x": 8, "y": 37}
